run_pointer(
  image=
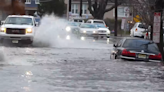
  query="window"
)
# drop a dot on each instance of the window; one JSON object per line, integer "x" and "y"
{"x": 87, "y": 26}
{"x": 28, "y": 2}
{"x": 19, "y": 20}
{"x": 37, "y": 1}
{"x": 84, "y": 9}
{"x": 142, "y": 26}
{"x": 74, "y": 9}
{"x": 88, "y": 21}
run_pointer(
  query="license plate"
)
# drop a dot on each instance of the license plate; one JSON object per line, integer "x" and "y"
{"x": 15, "y": 41}
{"x": 142, "y": 56}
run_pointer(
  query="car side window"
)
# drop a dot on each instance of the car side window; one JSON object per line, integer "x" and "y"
{"x": 88, "y": 21}
{"x": 119, "y": 43}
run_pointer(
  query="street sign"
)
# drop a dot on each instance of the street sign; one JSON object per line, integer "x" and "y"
{"x": 123, "y": 23}
{"x": 156, "y": 27}
{"x": 137, "y": 18}
{"x": 157, "y": 17}
{"x": 156, "y": 37}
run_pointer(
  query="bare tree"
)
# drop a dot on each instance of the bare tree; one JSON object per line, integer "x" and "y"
{"x": 99, "y": 7}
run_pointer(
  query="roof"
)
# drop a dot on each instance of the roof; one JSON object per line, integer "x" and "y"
{"x": 136, "y": 38}
{"x": 27, "y": 16}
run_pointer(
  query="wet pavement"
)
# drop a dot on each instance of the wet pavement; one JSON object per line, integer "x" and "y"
{"x": 76, "y": 69}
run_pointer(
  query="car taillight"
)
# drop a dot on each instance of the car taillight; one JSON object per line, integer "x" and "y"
{"x": 146, "y": 34}
{"x": 136, "y": 29}
{"x": 128, "y": 53}
{"x": 158, "y": 57}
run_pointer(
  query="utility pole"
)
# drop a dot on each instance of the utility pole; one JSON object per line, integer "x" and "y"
{"x": 70, "y": 2}
{"x": 159, "y": 8}
{"x": 69, "y": 8}
{"x": 81, "y": 3}
{"x": 116, "y": 24}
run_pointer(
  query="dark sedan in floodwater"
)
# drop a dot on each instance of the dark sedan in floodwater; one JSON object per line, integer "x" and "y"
{"x": 136, "y": 49}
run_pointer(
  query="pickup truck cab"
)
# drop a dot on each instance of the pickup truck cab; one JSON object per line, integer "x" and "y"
{"x": 18, "y": 28}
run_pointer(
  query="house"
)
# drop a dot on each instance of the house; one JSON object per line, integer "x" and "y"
{"x": 31, "y": 6}
{"x": 123, "y": 11}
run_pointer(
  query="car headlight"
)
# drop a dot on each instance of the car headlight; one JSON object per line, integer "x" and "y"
{"x": 94, "y": 32}
{"x": 3, "y": 29}
{"x": 68, "y": 29}
{"x": 82, "y": 38}
{"x": 28, "y": 30}
{"x": 68, "y": 37}
{"x": 108, "y": 31}
{"x": 84, "y": 31}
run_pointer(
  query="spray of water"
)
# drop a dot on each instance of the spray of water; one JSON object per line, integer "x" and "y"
{"x": 49, "y": 30}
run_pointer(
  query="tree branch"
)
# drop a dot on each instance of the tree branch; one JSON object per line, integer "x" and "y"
{"x": 90, "y": 7}
{"x": 112, "y": 7}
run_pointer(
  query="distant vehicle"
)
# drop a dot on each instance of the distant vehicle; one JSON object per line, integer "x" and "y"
{"x": 90, "y": 30}
{"x": 79, "y": 20}
{"x": 38, "y": 20}
{"x": 71, "y": 30}
{"x": 136, "y": 49}
{"x": 92, "y": 21}
{"x": 138, "y": 30}
{"x": 18, "y": 28}
{"x": 103, "y": 31}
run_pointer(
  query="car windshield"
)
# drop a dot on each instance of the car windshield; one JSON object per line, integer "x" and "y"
{"x": 73, "y": 24}
{"x": 87, "y": 26}
{"x": 140, "y": 44}
{"x": 78, "y": 20}
{"x": 142, "y": 26}
{"x": 19, "y": 20}
{"x": 100, "y": 25}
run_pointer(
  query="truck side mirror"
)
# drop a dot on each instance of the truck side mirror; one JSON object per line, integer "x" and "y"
{"x": 2, "y": 22}
{"x": 114, "y": 45}
{"x": 36, "y": 24}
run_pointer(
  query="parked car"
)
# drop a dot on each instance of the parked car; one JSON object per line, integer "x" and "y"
{"x": 136, "y": 49}
{"x": 92, "y": 21}
{"x": 78, "y": 20}
{"x": 138, "y": 30}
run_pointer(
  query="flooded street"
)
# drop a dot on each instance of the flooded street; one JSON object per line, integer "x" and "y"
{"x": 52, "y": 69}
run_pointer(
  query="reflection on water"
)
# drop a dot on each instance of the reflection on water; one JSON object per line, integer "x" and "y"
{"x": 29, "y": 73}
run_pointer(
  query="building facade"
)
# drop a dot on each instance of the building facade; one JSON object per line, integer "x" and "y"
{"x": 123, "y": 11}
{"x": 31, "y": 6}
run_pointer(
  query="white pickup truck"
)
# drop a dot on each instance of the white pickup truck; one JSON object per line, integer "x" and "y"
{"x": 18, "y": 28}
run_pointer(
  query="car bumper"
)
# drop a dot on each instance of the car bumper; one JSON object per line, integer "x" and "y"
{"x": 93, "y": 35}
{"x": 16, "y": 36}
{"x": 140, "y": 34}
{"x": 133, "y": 58}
